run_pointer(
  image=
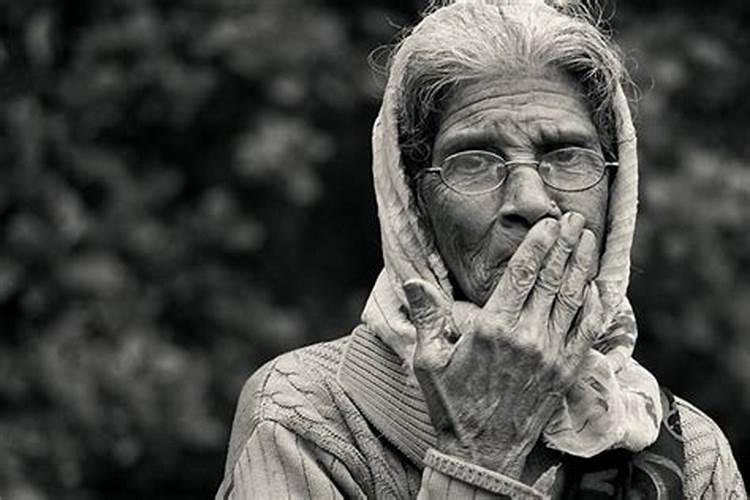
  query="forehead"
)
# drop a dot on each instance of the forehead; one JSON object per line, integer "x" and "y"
{"x": 523, "y": 111}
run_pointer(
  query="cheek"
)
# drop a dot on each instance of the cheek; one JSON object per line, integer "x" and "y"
{"x": 592, "y": 204}
{"x": 459, "y": 223}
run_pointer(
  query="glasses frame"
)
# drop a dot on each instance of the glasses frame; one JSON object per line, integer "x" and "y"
{"x": 515, "y": 163}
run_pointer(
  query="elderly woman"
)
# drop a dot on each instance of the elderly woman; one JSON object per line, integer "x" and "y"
{"x": 493, "y": 359}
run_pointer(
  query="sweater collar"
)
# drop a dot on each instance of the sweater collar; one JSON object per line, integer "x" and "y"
{"x": 383, "y": 389}
{"x": 379, "y": 383}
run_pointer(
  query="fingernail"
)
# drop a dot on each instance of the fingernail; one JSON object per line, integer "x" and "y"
{"x": 571, "y": 226}
{"x": 577, "y": 220}
{"x": 551, "y": 225}
{"x": 414, "y": 294}
{"x": 588, "y": 240}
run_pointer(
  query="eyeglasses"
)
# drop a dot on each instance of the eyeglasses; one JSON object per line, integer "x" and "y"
{"x": 478, "y": 172}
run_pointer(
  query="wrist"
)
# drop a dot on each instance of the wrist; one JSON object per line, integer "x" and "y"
{"x": 483, "y": 478}
{"x": 507, "y": 458}
{"x": 509, "y": 461}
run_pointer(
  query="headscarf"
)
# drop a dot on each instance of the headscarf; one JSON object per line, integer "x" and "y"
{"x": 616, "y": 402}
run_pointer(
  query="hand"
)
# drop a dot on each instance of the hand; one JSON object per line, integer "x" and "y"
{"x": 492, "y": 376}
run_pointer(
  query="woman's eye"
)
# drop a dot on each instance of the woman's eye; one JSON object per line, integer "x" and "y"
{"x": 469, "y": 163}
{"x": 565, "y": 156}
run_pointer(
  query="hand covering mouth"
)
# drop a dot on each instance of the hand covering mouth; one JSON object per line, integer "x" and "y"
{"x": 488, "y": 262}
{"x": 410, "y": 251}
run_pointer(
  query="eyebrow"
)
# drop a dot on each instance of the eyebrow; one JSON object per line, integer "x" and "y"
{"x": 568, "y": 133}
{"x": 485, "y": 137}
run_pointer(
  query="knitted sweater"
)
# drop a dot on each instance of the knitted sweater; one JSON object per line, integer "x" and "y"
{"x": 343, "y": 419}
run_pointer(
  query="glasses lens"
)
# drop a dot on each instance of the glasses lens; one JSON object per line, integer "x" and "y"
{"x": 571, "y": 169}
{"x": 473, "y": 172}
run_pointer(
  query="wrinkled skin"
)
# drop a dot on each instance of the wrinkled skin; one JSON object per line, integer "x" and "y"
{"x": 519, "y": 119}
{"x": 494, "y": 368}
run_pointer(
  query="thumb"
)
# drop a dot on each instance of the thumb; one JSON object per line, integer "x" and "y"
{"x": 426, "y": 305}
{"x": 428, "y": 310}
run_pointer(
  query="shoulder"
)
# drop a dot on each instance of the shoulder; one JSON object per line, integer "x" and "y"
{"x": 710, "y": 467}
{"x": 289, "y": 384}
{"x": 299, "y": 391}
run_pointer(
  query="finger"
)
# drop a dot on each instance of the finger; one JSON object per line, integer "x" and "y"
{"x": 586, "y": 333}
{"x": 428, "y": 311}
{"x": 570, "y": 294}
{"x": 464, "y": 320}
{"x": 551, "y": 274}
{"x": 514, "y": 286}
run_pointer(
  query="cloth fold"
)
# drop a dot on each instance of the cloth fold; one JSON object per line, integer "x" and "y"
{"x": 615, "y": 404}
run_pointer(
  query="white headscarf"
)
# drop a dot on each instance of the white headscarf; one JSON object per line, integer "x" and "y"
{"x": 616, "y": 402}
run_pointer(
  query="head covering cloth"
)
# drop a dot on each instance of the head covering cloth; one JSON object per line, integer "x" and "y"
{"x": 616, "y": 402}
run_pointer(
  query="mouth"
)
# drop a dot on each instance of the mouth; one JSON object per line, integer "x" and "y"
{"x": 490, "y": 260}
{"x": 490, "y": 277}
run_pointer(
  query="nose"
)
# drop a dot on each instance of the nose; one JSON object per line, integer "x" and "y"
{"x": 525, "y": 198}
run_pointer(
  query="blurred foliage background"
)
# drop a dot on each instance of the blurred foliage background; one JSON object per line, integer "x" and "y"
{"x": 185, "y": 193}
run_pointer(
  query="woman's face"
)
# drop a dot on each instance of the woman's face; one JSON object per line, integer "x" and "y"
{"x": 519, "y": 119}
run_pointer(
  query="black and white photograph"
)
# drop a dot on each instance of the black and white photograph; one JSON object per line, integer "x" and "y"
{"x": 374, "y": 249}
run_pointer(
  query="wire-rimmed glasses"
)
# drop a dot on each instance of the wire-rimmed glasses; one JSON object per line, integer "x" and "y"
{"x": 476, "y": 172}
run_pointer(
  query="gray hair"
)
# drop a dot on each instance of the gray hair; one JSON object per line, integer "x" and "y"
{"x": 467, "y": 40}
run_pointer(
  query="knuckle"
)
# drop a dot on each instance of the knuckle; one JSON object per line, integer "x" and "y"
{"x": 484, "y": 331}
{"x": 540, "y": 238}
{"x": 559, "y": 254}
{"x": 423, "y": 318}
{"x": 567, "y": 241}
{"x": 528, "y": 350}
{"x": 549, "y": 280}
{"x": 570, "y": 296}
{"x": 522, "y": 275}
{"x": 424, "y": 361}
{"x": 582, "y": 261}
{"x": 549, "y": 360}
{"x": 589, "y": 328}
{"x": 564, "y": 370}
{"x": 491, "y": 331}
{"x": 539, "y": 246}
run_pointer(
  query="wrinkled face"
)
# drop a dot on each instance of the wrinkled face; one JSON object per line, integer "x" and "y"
{"x": 519, "y": 119}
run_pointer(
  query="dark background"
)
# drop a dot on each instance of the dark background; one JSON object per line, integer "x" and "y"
{"x": 185, "y": 192}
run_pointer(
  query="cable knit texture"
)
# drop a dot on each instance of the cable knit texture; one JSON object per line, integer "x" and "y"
{"x": 710, "y": 468}
{"x": 298, "y": 434}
